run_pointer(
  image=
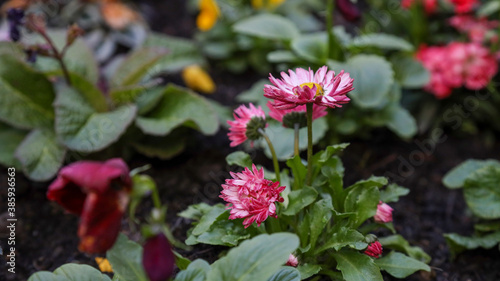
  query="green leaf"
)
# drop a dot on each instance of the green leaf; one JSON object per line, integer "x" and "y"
{"x": 345, "y": 237}
{"x": 181, "y": 262}
{"x": 319, "y": 216}
{"x": 382, "y": 41}
{"x": 195, "y": 212}
{"x": 255, "y": 259}
{"x": 26, "y": 96}
{"x": 239, "y": 158}
{"x": 179, "y": 106}
{"x": 126, "y": 259}
{"x": 181, "y": 52}
{"x": 70, "y": 272}
{"x": 357, "y": 267}
{"x": 222, "y": 231}
{"x": 281, "y": 56}
{"x": 90, "y": 92}
{"x": 135, "y": 67}
{"x": 78, "y": 59}
{"x": 312, "y": 47}
{"x": 286, "y": 274}
{"x": 373, "y": 78}
{"x": 457, "y": 176}
{"x": 410, "y": 72}
{"x": 402, "y": 122}
{"x": 10, "y": 139}
{"x": 283, "y": 138}
{"x": 254, "y": 95}
{"x": 331, "y": 150}
{"x": 196, "y": 271}
{"x": 307, "y": 270}
{"x": 392, "y": 193}
{"x": 458, "y": 243}
{"x": 267, "y": 26}
{"x": 12, "y": 49}
{"x": 163, "y": 148}
{"x": 488, "y": 8}
{"x": 208, "y": 219}
{"x": 80, "y": 127}
{"x": 148, "y": 99}
{"x": 482, "y": 193}
{"x": 362, "y": 199}
{"x": 399, "y": 265}
{"x": 397, "y": 242}
{"x": 299, "y": 199}
{"x": 299, "y": 171}
{"x": 40, "y": 155}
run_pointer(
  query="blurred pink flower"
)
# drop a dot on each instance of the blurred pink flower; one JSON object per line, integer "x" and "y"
{"x": 374, "y": 249}
{"x": 158, "y": 259}
{"x": 476, "y": 28}
{"x": 99, "y": 193}
{"x": 302, "y": 86}
{"x": 455, "y": 65}
{"x": 292, "y": 261}
{"x": 348, "y": 9}
{"x": 464, "y": 6}
{"x": 247, "y": 122}
{"x": 430, "y": 6}
{"x": 279, "y": 114}
{"x": 251, "y": 197}
{"x": 384, "y": 213}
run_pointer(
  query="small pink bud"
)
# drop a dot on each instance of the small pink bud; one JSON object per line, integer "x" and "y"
{"x": 384, "y": 213}
{"x": 292, "y": 261}
{"x": 158, "y": 259}
{"x": 374, "y": 249}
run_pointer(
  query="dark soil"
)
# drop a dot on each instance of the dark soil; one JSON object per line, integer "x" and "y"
{"x": 46, "y": 236}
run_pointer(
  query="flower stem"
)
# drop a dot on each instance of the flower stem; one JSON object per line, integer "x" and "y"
{"x": 273, "y": 153}
{"x": 329, "y": 28}
{"x": 296, "y": 143}
{"x": 58, "y": 56}
{"x": 309, "y": 112}
{"x": 155, "y": 195}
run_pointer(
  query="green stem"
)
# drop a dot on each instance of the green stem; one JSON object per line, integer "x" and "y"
{"x": 329, "y": 28}
{"x": 296, "y": 142}
{"x": 309, "y": 113}
{"x": 273, "y": 153}
{"x": 59, "y": 56}
{"x": 156, "y": 198}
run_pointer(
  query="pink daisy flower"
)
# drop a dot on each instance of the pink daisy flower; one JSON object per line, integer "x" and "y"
{"x": 302, "y": 86}
{"x": 251, "y": 197}
{"x": 246, "y": 124}
{"x": 374, "y": 249}
{"x": 476, "y": 28}
{"x": 384, "y": 213}
{"x": 295, "y": 115}
{"x": 464, "y": 6}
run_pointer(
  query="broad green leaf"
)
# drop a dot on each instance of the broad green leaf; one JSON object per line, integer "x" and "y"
{"x": 283, "y": 138}
{"x": 345, "y": 237}
{"x": 196, "y": 271}
{"x": 400, "y": 265}
{"x": 255, "y": 259}
{"x": 320, "y": 215}
{"x": 163, "y": 148}
{"x": 181, "y": 262}
{"x": 40, "y": 155}
{"x": 78, "y": 59}
{"x": 26, "y": 96}
{"x": 487, "y": 226}
{"x": 10, "y": 139}
{"x": 397, "y": 242}
{"x": 11, "y": 49}
{"x": 135, "y": 67}
{"x": 457, "y": 176}
{"x": 373, "y": 78}
{"x": 331, "y": 150}
{"x": 488, "y": 8}
{"x": 410, "y": 72}
{"x": 299, "y": 199}
{"x": 482, "y": 194}
{"x": 281, "y": 56}
{"x": 148, "y": 99}
{"x": 299, "y": 171}
{"x": 267, "y": 26}
{"x": 70, "y": 272}
{"x": 307, "y": 270}
{"x": 239, "y": 158}
{"x": 357, "y": 267}
{"x": 208, "y": 219}
{"x": 181, "y": 52}
{"x": 362, "y": 200}
{"x": 222, "y": 231}
{"x": 286, "y": 274}
{"x": 312, "y": 47}
{"x": 402, "y": 122}
{"x": 179, "y": 106}
{"x": 392, "y": 193}
{"x": 126, "y": 259}
{"x": 80, "y": 127}
{"x": 458, "y": 243}
{"x": 91, "y": 93}
{"x": 195, "y": 212}
{"x": 382, "y": 41}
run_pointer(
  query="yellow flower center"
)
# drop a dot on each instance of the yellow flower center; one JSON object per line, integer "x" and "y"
{"x": 319, "y": 89}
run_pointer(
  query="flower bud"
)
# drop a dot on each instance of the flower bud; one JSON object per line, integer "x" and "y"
{"x": 157, "y": 258}
{"x": 374, "y": 250}
{"x": 292, "y": 261}
{"x": 384, "y": 213}
{"x": 73, "y": 33}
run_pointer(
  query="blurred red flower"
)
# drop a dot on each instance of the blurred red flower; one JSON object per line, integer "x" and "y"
{"x": 158, "y": 259}
{"x": 99, "y": 193}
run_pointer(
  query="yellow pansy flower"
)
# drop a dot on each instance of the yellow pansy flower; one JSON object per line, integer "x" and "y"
{"x": 268, "y": 4}
{"x": 209, "y": 12}
{"x": 104, "y": 265}
{"x": 197, "y": 79}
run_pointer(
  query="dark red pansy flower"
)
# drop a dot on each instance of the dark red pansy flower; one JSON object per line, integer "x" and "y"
{"x": 157, "y": 258}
